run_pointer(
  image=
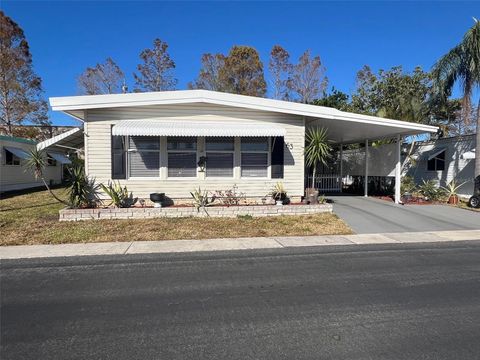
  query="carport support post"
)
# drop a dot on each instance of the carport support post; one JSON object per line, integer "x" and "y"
{"x": 341, "y": 167}
{"x": 365, "y": 191}
{"x": 398, "y": 171}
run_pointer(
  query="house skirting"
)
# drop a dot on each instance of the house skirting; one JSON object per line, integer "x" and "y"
{"x": 175, "y": 212}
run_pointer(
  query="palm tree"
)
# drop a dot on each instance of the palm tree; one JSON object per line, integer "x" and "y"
{"x": 317, "y": 149}
{"x": 36, "y": 163}
{"x": 462, "y": 64}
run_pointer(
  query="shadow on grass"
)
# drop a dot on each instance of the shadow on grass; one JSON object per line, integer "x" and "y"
{"x": 29, "y": 207}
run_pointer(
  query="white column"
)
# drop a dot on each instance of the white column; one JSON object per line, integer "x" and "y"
{"x": 398, "y": 170}
{"x": 365, "y": 191}
{"x": 341, "y": 167}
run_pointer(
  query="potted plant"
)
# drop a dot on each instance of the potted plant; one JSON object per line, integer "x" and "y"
{"x": 451, "y": 191}
{"x": 317, "y": 150}
{"x": 279, "y": 194}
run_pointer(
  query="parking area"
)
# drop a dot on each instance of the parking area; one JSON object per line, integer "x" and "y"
{"x": 370, "y": 215}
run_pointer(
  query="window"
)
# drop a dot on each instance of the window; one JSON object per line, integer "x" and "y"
{"x": 51, "y": 161}
{"x": 182, "y": 156}
{"x": 11, "y": 159}
{"x": 437, "y": 163}
{"x": 119, "y": 157}
{"x": 255, "y": 151}
{"x": 220, "y": 152}
{"x": 144, "y": 156}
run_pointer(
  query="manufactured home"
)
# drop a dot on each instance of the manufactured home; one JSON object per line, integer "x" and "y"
{"x": 175, "y": 141}
{"x": 14, "y": 152}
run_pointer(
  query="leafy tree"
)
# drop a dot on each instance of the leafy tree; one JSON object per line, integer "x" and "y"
{"x": 462, "y": 64}
{"x": 242, "y": 72}
{"x": 308, "y": 80}
{"x": 156, "y": 69}
{"x": 336, "y": 99}
{"x": 280, "y": 69}
{"x": 208, "y": 78}
{"x": 20, "y": 88}
{"x": 104, "y": 78}
{"x": 393, "y": 94}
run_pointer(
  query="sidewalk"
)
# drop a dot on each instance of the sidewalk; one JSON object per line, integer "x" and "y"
{"x": 171, "y": 246}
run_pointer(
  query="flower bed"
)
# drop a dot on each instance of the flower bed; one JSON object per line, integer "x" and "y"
{"x": 214, "y": 211}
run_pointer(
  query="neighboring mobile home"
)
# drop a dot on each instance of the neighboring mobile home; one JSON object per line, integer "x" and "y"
{"x": 444, "y": 160}
{"x": 15, "y": 176}
{"x": 176, "y": 141}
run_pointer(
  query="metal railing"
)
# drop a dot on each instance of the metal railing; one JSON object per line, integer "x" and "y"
{"x": 326, "y": 183}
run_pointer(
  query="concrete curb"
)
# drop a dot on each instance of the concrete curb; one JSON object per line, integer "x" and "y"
{"x": 184, "y": 246}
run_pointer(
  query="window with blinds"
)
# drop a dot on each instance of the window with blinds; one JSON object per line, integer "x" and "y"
{"x": 182, "y": 156}
{"x": 144, "y": 156}
{"x": 220, "y": 154}
{"x": 254, "y": 157}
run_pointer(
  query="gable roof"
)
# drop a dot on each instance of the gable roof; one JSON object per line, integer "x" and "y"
{"x": 75, "y": 106}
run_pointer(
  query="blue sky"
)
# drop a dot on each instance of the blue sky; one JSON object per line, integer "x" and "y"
{"x": 66, "y": 36}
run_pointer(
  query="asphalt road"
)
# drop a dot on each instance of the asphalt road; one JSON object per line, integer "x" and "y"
{"x": 361, "y": 302}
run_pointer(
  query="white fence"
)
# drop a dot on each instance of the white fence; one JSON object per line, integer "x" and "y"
{"x": 326, "y": 183}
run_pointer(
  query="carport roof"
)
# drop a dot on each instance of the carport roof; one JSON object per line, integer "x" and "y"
{"x": 342, "y": 126}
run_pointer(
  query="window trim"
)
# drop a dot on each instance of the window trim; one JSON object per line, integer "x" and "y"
{"x": 13, "y": 159}
{"x": 437, "y": 159}
{"x": 269, "y": 159}
{"x": 221, "y": 152}
{"x": 182, "y": 151}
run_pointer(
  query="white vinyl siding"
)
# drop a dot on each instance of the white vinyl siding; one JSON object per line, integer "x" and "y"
{"x": 98, "y": 149}
{"x": 220, "y": 156}
{"x": 255, "y": 157}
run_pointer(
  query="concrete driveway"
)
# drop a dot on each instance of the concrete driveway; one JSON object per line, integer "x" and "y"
{"x": 370, "y": 215}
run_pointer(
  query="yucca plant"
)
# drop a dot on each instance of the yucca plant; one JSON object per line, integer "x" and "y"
{"x": 36, "y": 163}
{"x": 317, "y": 149}
{"x": 82, "y": 191}
{"x": 278, "y": 192}
{"x": 451, "y": 190}
{"x": 119, "y": 195}
{"x": 201, "y": 199}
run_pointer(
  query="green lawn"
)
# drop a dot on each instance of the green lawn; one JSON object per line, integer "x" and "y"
{"x": 33, "y": 219}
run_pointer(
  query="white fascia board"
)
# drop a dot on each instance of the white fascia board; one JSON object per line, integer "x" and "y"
{"x": 68, "y": 104}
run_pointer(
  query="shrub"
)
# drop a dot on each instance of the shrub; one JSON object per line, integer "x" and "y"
{"x": 430, "y": 190}
{"x": 119, "y": 195}
{"x": 229, "y": 197}
{"x": 201, "y": 199}
{"x": 408, "y": 185}
{"x": 82, "y": 191}
{"x": 278, "y": 192}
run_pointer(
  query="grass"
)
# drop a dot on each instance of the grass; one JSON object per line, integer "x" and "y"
{"x": 32, "y": 218}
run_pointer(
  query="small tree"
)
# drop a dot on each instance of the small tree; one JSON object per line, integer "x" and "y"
{"x": 36, "y": 163}
{"x": 308, "y": 79}
{"x": 21, "y": 96}
{"x": 208, "y": 78}
{"x": 156, "y": 69}
{"x": 317, "y": 149}
{"x": 104, "y": 78}
{"x": 280, "y": 69}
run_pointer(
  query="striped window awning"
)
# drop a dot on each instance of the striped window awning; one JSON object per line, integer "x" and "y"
{"x": 194, "y": 128}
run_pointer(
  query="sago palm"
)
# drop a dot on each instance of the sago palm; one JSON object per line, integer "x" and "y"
{"x": 317, "y": 149}
{"x": 462, "y": 65}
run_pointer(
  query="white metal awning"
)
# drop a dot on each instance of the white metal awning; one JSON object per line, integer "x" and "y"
{"x": 194, "y": 128}
{"x": 434, "y": 153}
{"x": 469, "y": 155}
{"x": 72, "y": 139}
{"x": 20, "y": 153}
{"x": 62, "y": 159}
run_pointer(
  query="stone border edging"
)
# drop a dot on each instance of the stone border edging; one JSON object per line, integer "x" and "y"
{"x": 190, "y": 211}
